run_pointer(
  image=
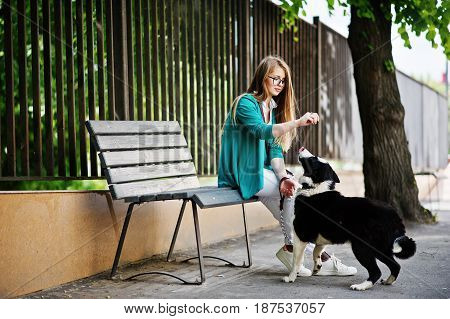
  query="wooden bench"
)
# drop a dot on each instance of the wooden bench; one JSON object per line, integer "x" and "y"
{"x": 146, "y": 161}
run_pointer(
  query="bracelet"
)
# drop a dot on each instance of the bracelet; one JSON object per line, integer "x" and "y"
{"x": 281, "y": 181}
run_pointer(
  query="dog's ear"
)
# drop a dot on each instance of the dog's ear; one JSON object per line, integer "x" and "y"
{"x": 335, "y": 177}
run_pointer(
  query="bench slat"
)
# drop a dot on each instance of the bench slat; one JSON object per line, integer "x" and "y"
{"x": 132, "y": 127}
{"x": 179, "y": 194}
{"x": 128, "y": 142}
{"x": 136, "y": 189}
{"x": 189, "y": 193}
{"x": 124, "y": 158}
{"x": 184, "y": 193}
{"x": 218, "y": 198}
{"x": 176, "y": 194}
{"x": 135, "y": 173}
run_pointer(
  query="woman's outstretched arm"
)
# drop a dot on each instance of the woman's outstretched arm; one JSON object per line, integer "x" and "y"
{"x": 282, "y": 128}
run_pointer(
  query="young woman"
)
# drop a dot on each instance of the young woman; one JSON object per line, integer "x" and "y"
{"x": 251, "y": 154}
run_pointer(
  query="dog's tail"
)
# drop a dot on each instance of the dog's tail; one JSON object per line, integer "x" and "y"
{"x": 404, "y": 247}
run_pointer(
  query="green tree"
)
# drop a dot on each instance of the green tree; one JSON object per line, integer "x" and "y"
{"x": 388, "y": 175}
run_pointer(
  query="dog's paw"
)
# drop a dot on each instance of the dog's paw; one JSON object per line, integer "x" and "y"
{"x": 362, "y": 286}
{"x": 389, "y": 281}
{"x": 289, "y": 278}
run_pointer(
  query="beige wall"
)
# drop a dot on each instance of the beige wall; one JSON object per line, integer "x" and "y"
{"x": 49, "y": 238}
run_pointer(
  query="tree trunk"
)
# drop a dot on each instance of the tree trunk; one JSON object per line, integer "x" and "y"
{"x": 388, "y": 175}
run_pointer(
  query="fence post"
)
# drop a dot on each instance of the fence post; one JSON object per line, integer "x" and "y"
{"x": 318, "y": 70}
{"x": 120, "y": 59}
{"x": 244, "y": 58}
{"x": 9, "y": 98}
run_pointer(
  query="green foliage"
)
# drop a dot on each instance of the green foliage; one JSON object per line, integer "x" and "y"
{"x": 54, "y": 185}
{"x": 363, "y": 9}
{"x": 431, "y": 17}
{"x": 291, "y": 13}
{"x": 404, "y": 35}
{"x": 330, "y": 4}
{"x": 389, "y": 65}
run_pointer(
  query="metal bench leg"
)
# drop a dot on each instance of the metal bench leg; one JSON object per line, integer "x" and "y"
{"x": 122, "y": 239}
{"x": 247, "y": 239}
{"x": 199, "y": 242}
{"x": 177, "y": 228}
{"x": 199, "y": 248}
{"x": 200, "y": 256}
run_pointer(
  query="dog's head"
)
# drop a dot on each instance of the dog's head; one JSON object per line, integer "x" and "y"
{"x": 316, "y": 175}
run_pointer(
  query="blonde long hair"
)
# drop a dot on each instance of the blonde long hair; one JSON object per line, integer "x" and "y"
{"x": 286, "y": 102}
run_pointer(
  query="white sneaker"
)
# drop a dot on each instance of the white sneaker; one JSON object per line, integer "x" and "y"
{"x": 287, "y": 257}
{"x": 334, "y": 267}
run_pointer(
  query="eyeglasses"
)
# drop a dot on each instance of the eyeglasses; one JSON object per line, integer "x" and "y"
{"x": 277, "y": 81}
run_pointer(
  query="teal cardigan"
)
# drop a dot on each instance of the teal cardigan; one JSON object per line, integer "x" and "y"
{"x": 243, "y": 152}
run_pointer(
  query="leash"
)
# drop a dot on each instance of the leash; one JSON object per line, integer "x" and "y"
{"x": 279, "y": 189}
{"x": 289, "y": 172}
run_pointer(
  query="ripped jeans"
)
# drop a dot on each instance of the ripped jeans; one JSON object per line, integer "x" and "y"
{"x": 269, "y": 195}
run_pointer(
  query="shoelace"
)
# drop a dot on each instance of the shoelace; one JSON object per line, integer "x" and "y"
{"x": 336, "y": 261}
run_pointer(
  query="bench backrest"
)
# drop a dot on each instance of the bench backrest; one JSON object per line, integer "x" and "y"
{"x": 143, "y": 157}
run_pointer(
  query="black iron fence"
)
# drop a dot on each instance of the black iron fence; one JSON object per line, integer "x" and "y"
{"x": 63, "y": 62}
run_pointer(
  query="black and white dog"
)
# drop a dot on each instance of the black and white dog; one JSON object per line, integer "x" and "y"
{"x": 323, "y": 216}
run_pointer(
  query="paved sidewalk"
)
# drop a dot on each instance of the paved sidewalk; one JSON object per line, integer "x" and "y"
{"x": 426, "y": 275}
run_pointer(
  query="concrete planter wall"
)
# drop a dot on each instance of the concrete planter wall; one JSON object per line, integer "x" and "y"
{"x": 52, "y": 237}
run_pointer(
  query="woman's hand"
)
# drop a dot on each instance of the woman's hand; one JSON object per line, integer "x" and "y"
{"x": 288, "y": 187}
{"x": 309, "y": 118}
{"x": 305, "y": 120}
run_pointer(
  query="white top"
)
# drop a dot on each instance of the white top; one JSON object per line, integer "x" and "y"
{"x": 273, "y": 105}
